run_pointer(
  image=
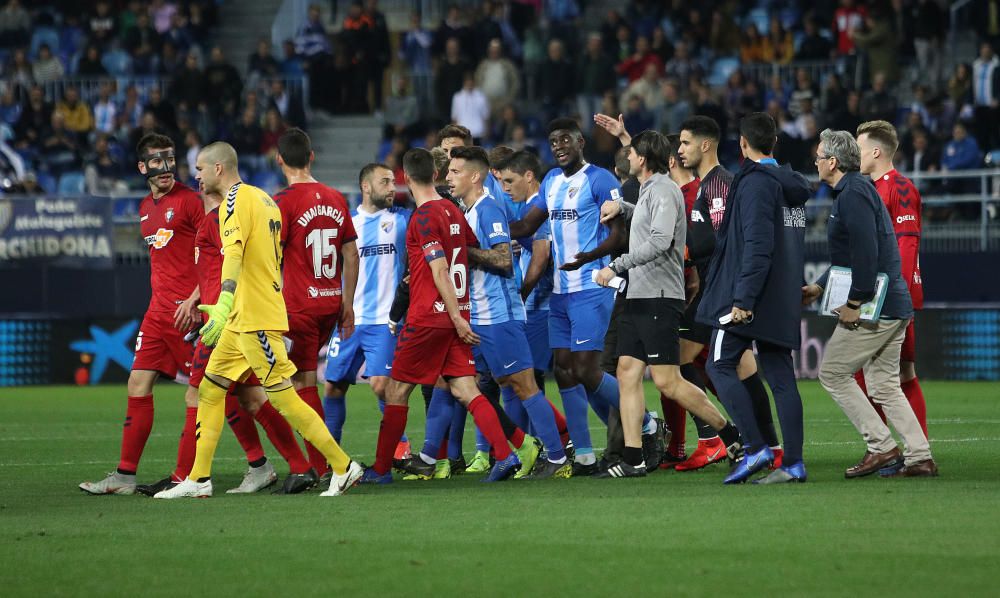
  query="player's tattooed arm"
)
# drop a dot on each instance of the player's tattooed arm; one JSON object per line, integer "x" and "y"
{"x": 496, "y": 258}
{"x": 229, "y": 286}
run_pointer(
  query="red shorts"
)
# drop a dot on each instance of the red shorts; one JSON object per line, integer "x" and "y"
{"x": 423, "y": 354}
{"x": 160, "y": 347}
{"x": 908, "y": 352}
{"x": 309, "y": 332}
{"x": 200, "y": 360}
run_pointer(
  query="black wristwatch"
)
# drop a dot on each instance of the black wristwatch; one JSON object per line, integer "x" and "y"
{"x": 853, "y": 305}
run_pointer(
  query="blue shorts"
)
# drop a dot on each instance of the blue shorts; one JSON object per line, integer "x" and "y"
{"x": 371, "y": 344}
{"x": 537, "y": 331}
{"x": 578, "y": 321}
{"x": 502, "y": 349}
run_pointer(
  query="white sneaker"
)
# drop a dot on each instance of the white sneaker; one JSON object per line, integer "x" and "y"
{"x": 187, "y": 489}
{"x": 340, "y": 484}
{"x": 256, "y": 479}
{"x": 114, "y": 483}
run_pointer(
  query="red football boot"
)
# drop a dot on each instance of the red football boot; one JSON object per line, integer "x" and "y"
{"x": 708, "y": 452}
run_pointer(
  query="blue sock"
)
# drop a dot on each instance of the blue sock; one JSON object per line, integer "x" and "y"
{"x": 438, "y": 418}
{"x": 482, "y": 444}
{"x": 538, "y": 409}
{"x": 456, "y": 431}
{"x": 515, "y": 410}
{"x": 335, "y": 413}
{"x": 575, "y": 407}
{"x": 381, "y": 407}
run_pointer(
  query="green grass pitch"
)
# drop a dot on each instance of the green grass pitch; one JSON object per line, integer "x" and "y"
{"x": 671, "y": 534}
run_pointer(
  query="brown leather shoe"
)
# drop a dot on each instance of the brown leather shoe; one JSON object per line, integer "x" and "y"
{"x": 923, "y": 469}
{"x": 873, "y": 462}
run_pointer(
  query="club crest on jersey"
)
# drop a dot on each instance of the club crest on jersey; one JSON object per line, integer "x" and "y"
{"x": 170, "y": 214}
{"x": 160, "y": 239}
{"x": 386, "y": 226}
{"x": 439, "y": 306}
{"x": 572, "y": 192}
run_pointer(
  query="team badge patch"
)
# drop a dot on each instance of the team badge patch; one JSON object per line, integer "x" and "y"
{"x": 572, "y": 192}
{"x": 386, "y": 226}
{"x": 170, "y": 214}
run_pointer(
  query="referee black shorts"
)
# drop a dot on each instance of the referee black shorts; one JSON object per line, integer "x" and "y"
{"x": 691, "y": 330}
{"x": 648, "y": 330}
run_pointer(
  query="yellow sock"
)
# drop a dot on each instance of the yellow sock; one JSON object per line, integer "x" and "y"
{"x": 308, "y": 423}
{"x": 211, "y": 413}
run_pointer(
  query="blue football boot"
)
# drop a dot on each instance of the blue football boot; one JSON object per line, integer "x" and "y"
{"x": 785, "y": 474}
{"x": 751, "y": 464}
{"x": 503, "y": 469}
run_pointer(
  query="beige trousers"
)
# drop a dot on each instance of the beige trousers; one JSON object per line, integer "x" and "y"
{"x": 876, "y": 350}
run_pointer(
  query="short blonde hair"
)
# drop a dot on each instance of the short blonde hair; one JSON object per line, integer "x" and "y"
{"x": 881, "y": 132}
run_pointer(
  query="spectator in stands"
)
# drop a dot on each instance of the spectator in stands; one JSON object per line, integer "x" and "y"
{"x": 723, "y": 35}
{"x": 777, "y": 91}
{"x": 484, "y": 30}
{"x": 833, "y": 97}
{"x": 563, "y": 17}
{"x": 402, "y": 109}
{"x": 311, "y": 40}
{"x": 922, "y": 156}
{"x": 960, "y": 87}
{"x": 273, "y": 128}
{"x": 779, "y": 46}
{"x": 986, "y": 95}
{"x": 47, "y": 67}
{"x": 225, "y": 84}
{"x": 415, "y": 51}
{"x": 143, "y": 43}
{"x": 163, "y": 13}
{"x": 633, "y": 67}
{"x": 805, "y": 89}
{"x": 291, "y": 63}
{"x": 76, "y": 115}
{"x": 60, "y": 147}
{"x": 162, "y": 109}
{"x": 192, "y": 146}
{"x": 636, "y": 116}
{"x": 929, "y": 25}
{"x": 610, "y": 26}
{"x": 647, "y": 88}
{"x": 674, "y": 109}
{"x": 179, "y": 33}
{"x": 105, "y": 110}
{"x": 101, "y": 24}
{"x": 751, "y": 45}
{"x": 961, "y": 152}
{"x": 682, "y": 66}
{"x": 450, "y": 76}
{"x": 595, "y": 75}
{"x": 18, "y": 71}
{"x": 90, "y": 63}
{"x": 471, "y": 109}
{"x": 10, "y": 108}
{"x": 622, "y": 48}
{"x": 288, "y": 103}
{"x": 879, "y": 41}
{"x": 849, "y": 117}
{"x": 503, "y": 127}
{"x": 170, "y": 61}
{"x": 15, "y": 25}
{"x": 380, "y": 51}
{"x": 262, "y": 62}
{"x": 197, "y": 23}
{"x": 131, "y": 108}
{"x": 247, "y": 137}
{"x": 452, "y": 27}
{"x": 102, "y": 172}
{"x": 880, "y": 101}
{"x": 660, "y": 45}
{"x": 556, "y": 84}
{"x": 706, "y": 104}
{"x": 497, "y": 77}
{"x": 846, "y": 19}
{"x": 813, "y": 46}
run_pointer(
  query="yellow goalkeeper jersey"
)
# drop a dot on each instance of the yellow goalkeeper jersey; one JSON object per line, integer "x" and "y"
{"x": 249, "y": 216}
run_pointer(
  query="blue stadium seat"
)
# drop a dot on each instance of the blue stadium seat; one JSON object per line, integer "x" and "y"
{"x": 71, "y": 183}
{"x": 44, "y": 35}
{"x": 117, "y": 62}
{"x": 269, "y": 181}
{"x": 47, "y": 182}
{"x": 760, "y": 18}
{"x": 993, "y": 158}
{"x": 722, "y": 68}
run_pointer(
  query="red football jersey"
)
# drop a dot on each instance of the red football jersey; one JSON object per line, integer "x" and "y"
{"x": 169, "y": 226}
{"x": 903, "y": 202}
{"x": 208, "y": 258}
{"x": 437, "y": 229}
{"x": 315, "y": 224}
{"x": 690, "y": 192}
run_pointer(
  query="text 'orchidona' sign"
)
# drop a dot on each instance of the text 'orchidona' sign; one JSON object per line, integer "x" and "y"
{"x": 72, "y": 233}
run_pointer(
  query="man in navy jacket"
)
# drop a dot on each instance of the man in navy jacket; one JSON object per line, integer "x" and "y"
{"x": 861, "y": 237}
{"x": 752, "y": 294}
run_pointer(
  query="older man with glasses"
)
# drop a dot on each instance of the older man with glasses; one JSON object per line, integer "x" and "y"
{"x": 861, "y": 238}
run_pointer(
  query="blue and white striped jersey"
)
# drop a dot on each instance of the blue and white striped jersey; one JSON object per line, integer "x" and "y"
{"x": 382, "y": 247}
{"x": 495, "y": 298}
{"x": 574, "y": 207}
{"x": 539, "y": 297}
{"x": 513, "y": 211}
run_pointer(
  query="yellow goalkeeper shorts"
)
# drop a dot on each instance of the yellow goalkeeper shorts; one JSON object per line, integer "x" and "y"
{"x": 238, "y": 354}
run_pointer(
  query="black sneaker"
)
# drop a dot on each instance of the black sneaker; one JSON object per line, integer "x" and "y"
{"x": 150, "y": 489}
{"x": 324, "y": 480}
{"x": 653, "y": 445}
{"x": 623, "y": 470}
{"x": 457, "y": 465}
{"x": 545, "y": 469}
{"x": 670, "y": 460}
{"x": 414, "y": 466}
{"x": 297, "y": 483}
{"x": 581, "y": 470}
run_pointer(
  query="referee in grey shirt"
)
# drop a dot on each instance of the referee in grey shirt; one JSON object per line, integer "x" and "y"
{"x": 654, "y": 301}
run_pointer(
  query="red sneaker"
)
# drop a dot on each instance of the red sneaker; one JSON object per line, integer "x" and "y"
{"x": 708, "y": 452}
{"x": 402, "y": 450}
{"x": 671, "y": 460}
{"x": 778, "y": 454}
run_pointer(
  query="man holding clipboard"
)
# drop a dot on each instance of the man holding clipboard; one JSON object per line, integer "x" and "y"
{"x": 872, "y": 320}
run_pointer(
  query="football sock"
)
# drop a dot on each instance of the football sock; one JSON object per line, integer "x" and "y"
{"x": 762, "y": 409}
{"x": 482, "y": 444}
{"x": 381, "y": 409}
{"x": 575, "y": 404}
{"x": 915, "y": 396}
{"x": 245, "y": 430}
{"x": 282, "y": 437}
{"x": 427, "y": 390}
{"x": 389, "y": 433}
{"x": 211, "y": 413}
{"x": 560, "y": 422}
{"x": 676, "y": 420}
{"x": 632, "y": 456}
{"x": 135, "y": 433}
{"x": 604, "y": 397}
{"x": 443, "y": 451}
{"x": 729, "y": 434}
{"x": 310, "y": 426}
{"x": 335, "y": 414}
{"x": 537, "y": 409}
{"x": 310, "y": 395}
{"x": 486, "y": 420}
{"x": 515, "y": 410}
{"x": 186, "y": 446}
{"x": 456, "y": 430}
{"x": 438, "y": 419}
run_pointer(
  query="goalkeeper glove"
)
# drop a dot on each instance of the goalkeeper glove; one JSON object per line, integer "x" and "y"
{"x": 217, "y": 316}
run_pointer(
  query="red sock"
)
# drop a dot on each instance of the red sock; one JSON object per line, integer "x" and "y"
{"x": 915, "y": 396}
{"x": 560, "y": 422}
{"x": 280, "y": 433}
{"x": 243, "y": 427}
{"x": 310, "y": 395}
{"x": 676, "y": 419}
{"x": 517, "y": 437}
{"x": 389, "y": 433}
{"x": 138, "y": 424}
{"x": 186, "y": 446}
{"x": 859, "y": 377}
{"x": 443, "y": 451}
{"x": 486, "y": 418}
